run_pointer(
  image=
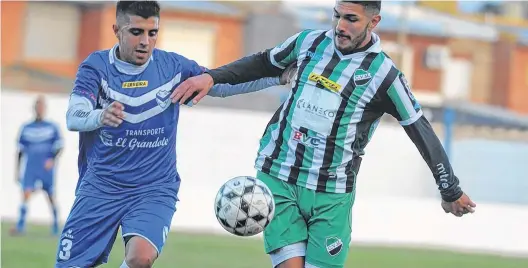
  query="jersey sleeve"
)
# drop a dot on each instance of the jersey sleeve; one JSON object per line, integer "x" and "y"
{"x": 196, "y": 69}
{"x": 400, "y": 102}
{"x": 87, "y": 81}
{"x": 187, "y": 66}
{"x": 287, "y": 52}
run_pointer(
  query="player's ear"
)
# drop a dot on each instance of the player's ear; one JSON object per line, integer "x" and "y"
{"x": 116, "y": 30}
{"x": 374, "y": 21}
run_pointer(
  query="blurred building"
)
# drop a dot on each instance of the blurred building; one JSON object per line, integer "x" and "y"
{"x": 510, "y": 50}
{"x": 444, "y": 55}
{"x": 46, "y": 41}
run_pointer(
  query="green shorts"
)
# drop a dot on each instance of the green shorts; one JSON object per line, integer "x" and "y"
{"x": 322, "y": 220}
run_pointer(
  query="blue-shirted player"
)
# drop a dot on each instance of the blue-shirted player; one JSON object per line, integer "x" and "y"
{"x": 39, "y": 144}
{"x": 127, "y": 148}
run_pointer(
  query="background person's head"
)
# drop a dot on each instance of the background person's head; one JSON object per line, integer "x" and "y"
{"x": 353, "y": 23}
{"x": 136, "y": 28}
{"x": 40, "y": 107}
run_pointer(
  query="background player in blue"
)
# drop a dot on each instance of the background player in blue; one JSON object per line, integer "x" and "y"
{"x": 39, "y": 145}
{"x": 127, "y": 148}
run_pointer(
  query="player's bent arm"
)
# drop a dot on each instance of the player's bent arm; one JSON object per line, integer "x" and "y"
{"x": 432, "y": 151}
{"x": 226, "y": 90}
{"x": 269, "y": 63}
{"x": 81, "y": 116}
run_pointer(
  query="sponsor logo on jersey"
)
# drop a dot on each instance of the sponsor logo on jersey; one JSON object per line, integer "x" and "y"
{"x": 136, "y": 139}
{"x": 404, "y": 82}
{"x": 309, "y": 141}
{"x": 135, "y": 84}
{"x": 407, "y": 88}
{"x": 361, "y": 77}
{"x": 325, "y": 82}
{"x": 315, "y": 109}
{"x": 312, "y": 56}
{"x": 68, "y": 234}
{"x": 444, "y": 175}
{"x": 135, "y": 143}
{"x": 333, "y": 245}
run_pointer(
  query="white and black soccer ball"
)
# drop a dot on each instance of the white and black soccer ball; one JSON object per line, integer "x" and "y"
{"x": 244, "y": 206}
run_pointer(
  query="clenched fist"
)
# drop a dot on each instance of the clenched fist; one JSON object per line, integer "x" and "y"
{"x": 113, "y": 114}
{"x": 460, "y": 207}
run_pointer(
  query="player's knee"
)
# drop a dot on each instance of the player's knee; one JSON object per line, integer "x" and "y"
{"x": 139, "y": 260}
{"x": 140, "y": 253}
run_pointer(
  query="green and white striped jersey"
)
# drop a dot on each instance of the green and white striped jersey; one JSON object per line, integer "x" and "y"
{"x": 318, "y": 135}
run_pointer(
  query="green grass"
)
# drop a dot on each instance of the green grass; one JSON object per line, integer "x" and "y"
{"x": 185, "y": 250}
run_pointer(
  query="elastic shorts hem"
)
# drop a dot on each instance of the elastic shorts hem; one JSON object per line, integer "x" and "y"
{"x": 315, "y": 263}
{"x": 282, "y": 244}
{"x": 144, "y": 237}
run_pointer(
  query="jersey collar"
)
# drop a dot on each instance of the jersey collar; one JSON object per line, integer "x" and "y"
{"x": 374, "y": 48}
{"x": 125, "y": 67}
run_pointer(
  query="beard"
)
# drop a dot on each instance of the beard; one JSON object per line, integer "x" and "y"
{"x": 356, "y": 42}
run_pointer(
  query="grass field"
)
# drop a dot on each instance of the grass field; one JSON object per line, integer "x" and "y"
{"x": 37, "y": 250}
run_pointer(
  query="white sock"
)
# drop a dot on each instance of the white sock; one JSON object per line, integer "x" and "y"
{"x": 124, "y": 265}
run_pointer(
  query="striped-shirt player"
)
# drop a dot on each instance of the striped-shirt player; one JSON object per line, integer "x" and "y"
{"x": 316, "y": 139}
{"x": 311, "y": 150}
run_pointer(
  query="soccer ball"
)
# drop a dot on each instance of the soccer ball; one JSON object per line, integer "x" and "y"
{"x": 244, "y": 206}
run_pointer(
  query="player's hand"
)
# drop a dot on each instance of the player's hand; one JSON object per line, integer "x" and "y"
{"x": 460, "y": 207}
{"x": 113, "y": 114}
{"x": 49, "y": 164}
{"x": 288, "y": 74}
{"x": 198, "y": 85}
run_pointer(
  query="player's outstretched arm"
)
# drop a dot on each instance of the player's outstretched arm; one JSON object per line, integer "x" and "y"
{"x": 226, "y": 90}
{"x": 398, "y": 101}
{"x": 268, "y": 63}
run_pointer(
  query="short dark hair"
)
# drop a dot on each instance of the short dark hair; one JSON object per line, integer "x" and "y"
{"x": 373, "y": 6}
{"x": 144, "y": 9}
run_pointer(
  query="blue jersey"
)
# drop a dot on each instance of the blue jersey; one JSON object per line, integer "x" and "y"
{"x": 140, "y": 154}
{"x": 38, "y": 142}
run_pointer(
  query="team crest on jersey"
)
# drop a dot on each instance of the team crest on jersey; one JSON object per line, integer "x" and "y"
{"x": 163, "y": 98}
{"x": 325, "y": 82}
{"x": 106, "y": 138}
{"x": 135, "y": 84}
{"x": 361, "y": 77}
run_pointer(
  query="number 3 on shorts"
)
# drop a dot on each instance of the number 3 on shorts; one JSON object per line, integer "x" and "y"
{"x": 66, "y": 245}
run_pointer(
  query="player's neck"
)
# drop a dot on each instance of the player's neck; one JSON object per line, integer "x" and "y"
{"x": 38, "y": 119}
{"x": 367, "y": 42}
{"x": 123, "y": 66}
